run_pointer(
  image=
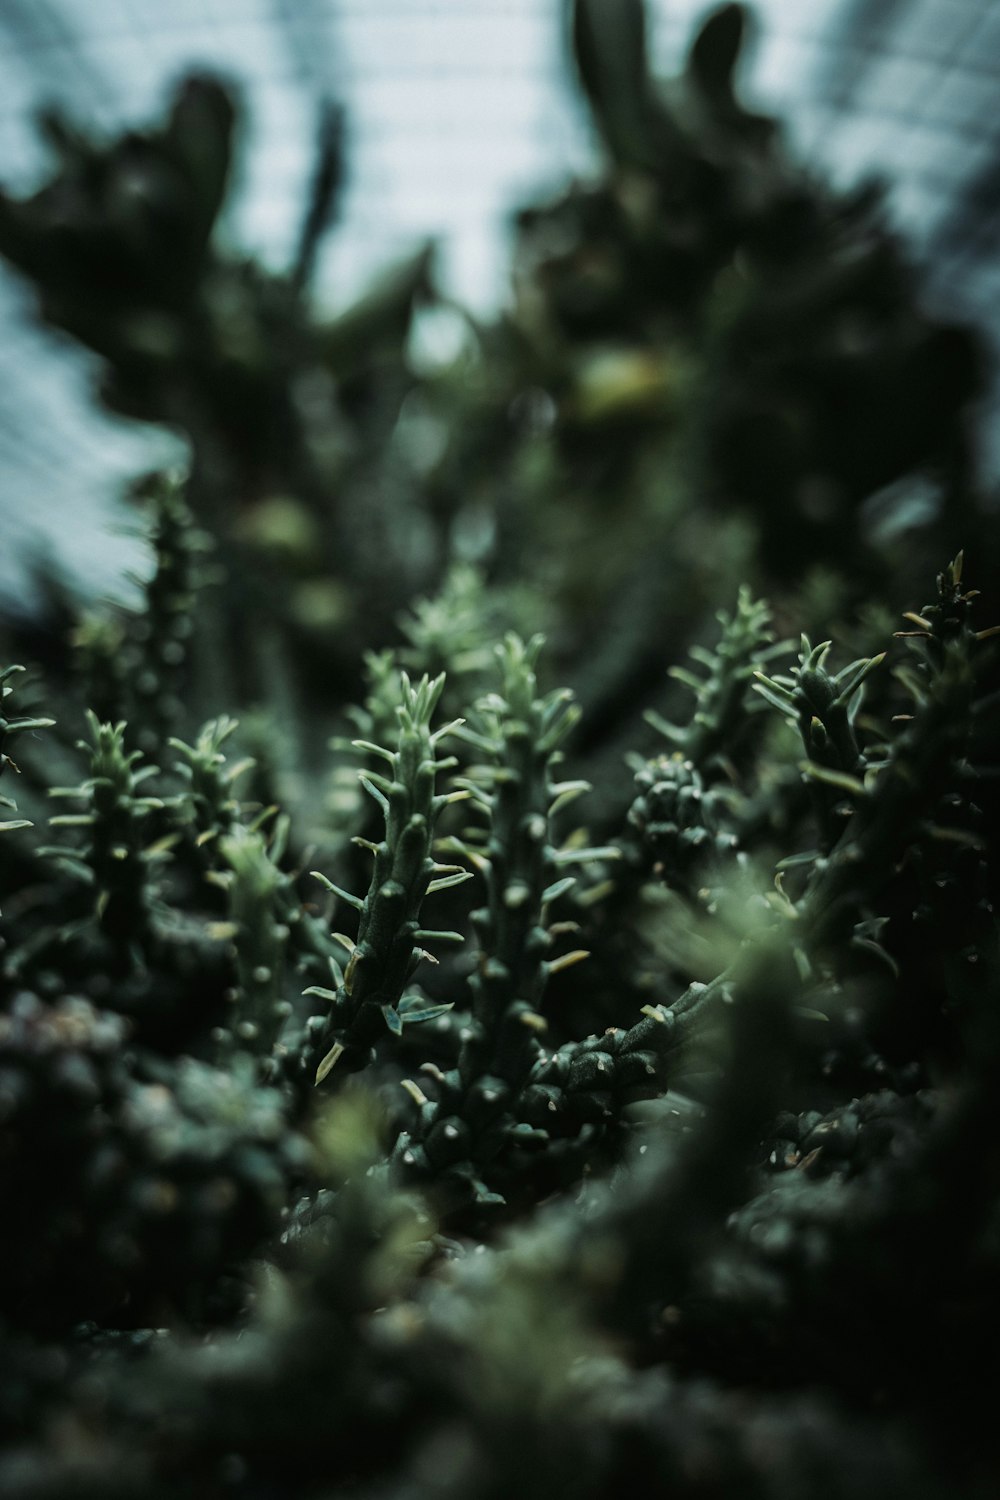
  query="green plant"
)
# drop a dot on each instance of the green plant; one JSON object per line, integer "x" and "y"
{"x": 370, "y": 990}
{"x": 10, "y": 727}
{"x": 656, "y": 1150}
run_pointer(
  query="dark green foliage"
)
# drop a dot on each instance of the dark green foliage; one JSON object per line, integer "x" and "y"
{"x": 474, "y": 1118}
{"x": 210, "y": 810}
{"x": 115, "y": 858}
{"x": 260, "y": 938}
{"x": 370, "y": 994}
{"x": 118, "y": 239}
{"x": 134, "y": 664}
{"x": 685, "y": 804}
{"x": 139, "y": 1185}
{"x": 9, "y": 728}
{"x": 687, "y": 1179}
{"x": 680, "y": 820}
{"x": 824, "y": 706}
{"x": 717, "y": 727}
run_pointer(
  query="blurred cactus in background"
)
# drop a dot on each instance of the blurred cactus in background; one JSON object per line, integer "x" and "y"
{"x": 418, "y": 1077}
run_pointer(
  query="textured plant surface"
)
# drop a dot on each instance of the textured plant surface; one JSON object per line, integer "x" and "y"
{"x": 417, "y": 1077}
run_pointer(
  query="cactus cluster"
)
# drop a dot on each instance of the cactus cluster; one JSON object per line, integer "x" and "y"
{"x": 421, "y": 1079}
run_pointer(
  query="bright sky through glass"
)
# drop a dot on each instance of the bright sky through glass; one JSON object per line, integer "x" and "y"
{"x": 458, "y": 110}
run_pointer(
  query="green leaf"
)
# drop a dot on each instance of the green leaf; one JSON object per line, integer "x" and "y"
{"x": 19, "y": 726}
{"x": 839, "y": 779}
{"x": 392, "y": 1019}
{"x": 411, "y": 1015}
{"x": 856, "y": 674}
{"x": 673, "y": 732}
{"x": 426, "y": 936}
{"x": 337, "y": 890}
{"x": 558, "y": 888}
{"x": 778, "y": 696}
{"x": 445, "y": 882}
{"x": 320, "y": 992}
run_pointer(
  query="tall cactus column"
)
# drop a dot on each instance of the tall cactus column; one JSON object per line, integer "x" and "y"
{"x": 369, "y": 997}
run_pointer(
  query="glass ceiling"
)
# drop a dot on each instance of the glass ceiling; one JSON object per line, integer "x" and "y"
{"x": 458, "y": 110}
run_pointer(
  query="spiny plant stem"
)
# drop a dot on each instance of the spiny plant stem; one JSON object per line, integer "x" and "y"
{"x": 369, "y": 998}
